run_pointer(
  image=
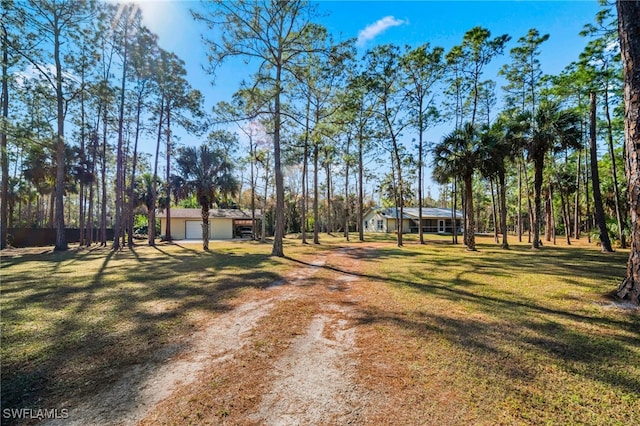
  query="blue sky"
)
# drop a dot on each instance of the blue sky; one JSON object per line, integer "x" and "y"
{"x": 441, "y": 23}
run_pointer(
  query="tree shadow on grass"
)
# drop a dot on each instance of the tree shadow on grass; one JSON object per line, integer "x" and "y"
{"x": 510, "y": 355}
{"x": 79, "y": 332}
{"x": 447, "y": 290}
{"x": 599, "y": 351}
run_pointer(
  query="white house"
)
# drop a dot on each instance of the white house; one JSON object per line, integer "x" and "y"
{"x": 434, "y": 220}
{"x": 186, "y": 224}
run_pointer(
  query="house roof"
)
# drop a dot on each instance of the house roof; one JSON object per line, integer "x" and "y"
{"x": 180, "y": 213}
{"x": 427, "y": 213}
{"x": 391, "y": 213}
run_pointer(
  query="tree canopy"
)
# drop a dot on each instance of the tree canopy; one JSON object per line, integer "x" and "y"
{"x": 83, "y": 82}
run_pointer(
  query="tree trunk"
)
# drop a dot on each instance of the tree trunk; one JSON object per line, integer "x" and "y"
{"x": 278, "y": 248}
{"x": 586, "y": 196}
{"x": 564, "y": 193}
{"x": 595, "y": 177}
{"x": 454, "y": 210}
{"x": 4, "y": 164}
{"x": 263, "y": 234}
{"x": 614, "y": 172}
{"x": 420, "y": 171}
{"x": 61, "y": 241}
{"x": 103, "y": 186}
{"x": 552, "y": 219}
{"x": 548, "y": 214}
{"x": 529, "y": 206}
{"x": 205, "y": 227}
{"x": 537, "y": 200}
{"x": 89, "y": 237}
{"x": 564, "y": 205}
{"x": 132, "y": 184}
{"x": 83, "y": 162}
{"x": 629, "y": 31}
{"x": 494, "y": 212}
{"x": 119, "y": 205}
{"x": 91, "y": 220}
{"x": 519, "y": 203}
{"x": 252, "y": 155}
{"x": 167, "y": 227}
{"x": 328, "y": 175}
{"x": 360, "y": 189}
{"x": 470, "y": 238}
{"x": 151, "y": 213}
{"x": 503, "y": 209}
{"x": 316, "y": 195}
{"x": 478, "y": 219}
{"x": 305, "y": 168}
{"x": 346, "y": 191}
{"x": 576, "y": 223}
{"x": 400, "y": 196}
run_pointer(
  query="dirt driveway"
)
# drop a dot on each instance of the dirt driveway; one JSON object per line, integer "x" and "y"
{"x": 288, "y": 354}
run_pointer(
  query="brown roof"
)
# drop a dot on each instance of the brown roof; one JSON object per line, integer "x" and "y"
{"x": 179, "y": 213}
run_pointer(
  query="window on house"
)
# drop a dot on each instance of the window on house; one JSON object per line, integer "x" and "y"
{"x": 380, "y": 228}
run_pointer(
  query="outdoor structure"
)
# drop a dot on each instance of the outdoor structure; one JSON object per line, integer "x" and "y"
{"x": 434, "y": 220}
{"x": 224, "y": 224}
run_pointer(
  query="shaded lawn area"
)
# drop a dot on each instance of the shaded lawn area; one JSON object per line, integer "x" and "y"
{"x": 449, "y": 336}
{"x": 505, "y": 337}
{"x": 72, "y": 321}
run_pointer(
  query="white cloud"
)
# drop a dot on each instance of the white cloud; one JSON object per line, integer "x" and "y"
{"x": 35, "y": 74}
{"x": 378, "y": 27}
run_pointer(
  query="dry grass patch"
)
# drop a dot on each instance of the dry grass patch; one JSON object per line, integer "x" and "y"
{"x": 71, "y": 322}
{"x": 500, "y": 337}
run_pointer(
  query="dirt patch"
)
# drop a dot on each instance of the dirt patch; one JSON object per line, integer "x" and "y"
{"x": 143, "y": 386}
{"x": 275, "y": 366}
{"x": 299, "y": 367}
{"x": 313, "y": 382}
{"x": 622, "y": 304}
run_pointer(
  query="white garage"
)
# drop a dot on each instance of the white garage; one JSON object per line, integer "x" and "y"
{"x": 193, "y": 230}
{"x": 224, "y": 224}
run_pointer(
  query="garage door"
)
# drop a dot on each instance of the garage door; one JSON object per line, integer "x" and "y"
{"x": 194, "y": 230}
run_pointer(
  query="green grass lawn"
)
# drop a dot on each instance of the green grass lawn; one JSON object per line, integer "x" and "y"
{"x": 515, "y": 336}
{"x": 72, "y": 320}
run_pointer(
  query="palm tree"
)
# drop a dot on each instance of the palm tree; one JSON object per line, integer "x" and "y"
{"x": 40, "y": 172}
{"x": 500, "y": 144}
{"x": 205, "y": 172}
{"x": 144, "y": 195}
{"x": 458, "y": 155}
{"x": 551, "y": 129}
{"x": 494, "y": 151}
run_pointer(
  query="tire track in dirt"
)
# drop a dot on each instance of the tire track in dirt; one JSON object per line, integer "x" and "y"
{"x": 313, "y": 382}
{"x": 143, "y": 386}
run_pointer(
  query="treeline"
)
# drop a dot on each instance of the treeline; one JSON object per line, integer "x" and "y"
{"x": 84, "y": 81}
